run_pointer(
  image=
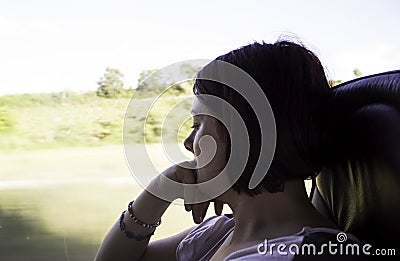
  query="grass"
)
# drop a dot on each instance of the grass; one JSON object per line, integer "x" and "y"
{"x": 59, "y": 203}
{"x": 42, "y": 121}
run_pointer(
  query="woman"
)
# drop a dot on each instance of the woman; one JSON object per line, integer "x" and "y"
{"x": 275, "y": 211}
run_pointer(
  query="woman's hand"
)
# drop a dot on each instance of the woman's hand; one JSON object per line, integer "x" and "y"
{"x": 186, "y": 173}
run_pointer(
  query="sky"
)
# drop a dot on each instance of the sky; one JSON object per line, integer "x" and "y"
{"x": 50, "y": 45}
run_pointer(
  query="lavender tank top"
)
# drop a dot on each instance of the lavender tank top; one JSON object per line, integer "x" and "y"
{"x": 205, "y": 239}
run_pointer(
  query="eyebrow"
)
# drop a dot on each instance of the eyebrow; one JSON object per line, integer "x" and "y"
{"x": 196, "y": 114}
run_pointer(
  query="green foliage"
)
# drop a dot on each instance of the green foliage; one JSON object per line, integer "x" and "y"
{"x": 333, "y": 82}
{"x": 150, "y": 84}
{"x": 84, "y": 119}
{"x": 108, "y": 130}
{"x": 63, "y": 119}
{"x": 27, "y": 100}
{"x": 153, "y": 128}
{"x": 154, "y": 82}
{"x": 179, "y": 89}
{"x": 126, "y": 93}
{"x": 111, "y": 84}
{"x": 7, "y": 120}
{"x": 357, "y": 72}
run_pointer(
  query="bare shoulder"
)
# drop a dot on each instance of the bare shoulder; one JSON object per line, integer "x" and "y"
{"x": 164, "y": 249}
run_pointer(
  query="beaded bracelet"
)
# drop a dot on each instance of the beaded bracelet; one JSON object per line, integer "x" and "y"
{"x": 139, "y": 222}
{"x": 129, "y": 234}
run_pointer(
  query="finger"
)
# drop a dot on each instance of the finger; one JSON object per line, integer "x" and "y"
{"x": 205, "y": 211}
{"x": 198, "y": 211}
{"x": 194, "y": 216}
{"x": 188, "y": 207}
{"x": 218, "y": 206}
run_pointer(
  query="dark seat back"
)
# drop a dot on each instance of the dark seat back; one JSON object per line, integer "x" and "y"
{"x": 359, "y": 189}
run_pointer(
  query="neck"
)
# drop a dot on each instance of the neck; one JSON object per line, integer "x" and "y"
{"x": 271, "y": 215}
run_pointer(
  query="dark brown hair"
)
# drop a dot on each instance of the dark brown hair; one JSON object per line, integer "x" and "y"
{"x": 294, "y": 81}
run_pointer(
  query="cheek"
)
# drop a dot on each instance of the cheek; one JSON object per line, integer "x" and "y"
{"x": 219, "y": 138}
{"x": 217, "y": 163}
{"x": 196, "y": 148}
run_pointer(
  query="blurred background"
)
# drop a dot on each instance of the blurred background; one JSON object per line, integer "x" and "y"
{"x": 69, "y": 69}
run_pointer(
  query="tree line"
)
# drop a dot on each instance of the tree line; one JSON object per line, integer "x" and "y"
{"x": 150, "y": 83}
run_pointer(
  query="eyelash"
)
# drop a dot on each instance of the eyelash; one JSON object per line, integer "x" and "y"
{"x": 195, "y": 126}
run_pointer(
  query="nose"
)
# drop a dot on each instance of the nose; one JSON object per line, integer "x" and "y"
{"x": 188, "y": 143}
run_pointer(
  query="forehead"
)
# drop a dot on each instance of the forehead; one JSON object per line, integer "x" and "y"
{"x": 199, "y": 108}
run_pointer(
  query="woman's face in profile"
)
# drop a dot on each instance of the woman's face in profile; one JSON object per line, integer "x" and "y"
{"x": 207, "y": 142}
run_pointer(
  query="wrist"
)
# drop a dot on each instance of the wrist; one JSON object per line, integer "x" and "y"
{"x": 138, "y": 221}
{"x": 148, "y": 208}
{"x": 165, "y": 187}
